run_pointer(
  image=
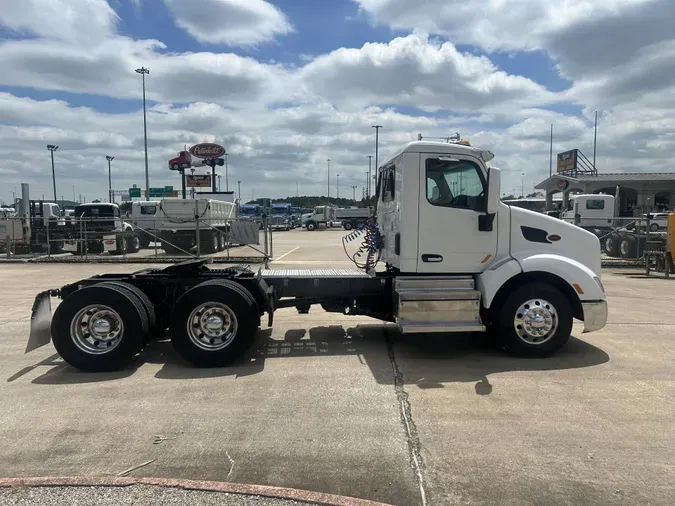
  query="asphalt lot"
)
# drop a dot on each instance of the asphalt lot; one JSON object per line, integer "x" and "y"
{"x": 345, "y": 405}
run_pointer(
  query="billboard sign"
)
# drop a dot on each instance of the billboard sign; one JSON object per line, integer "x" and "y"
{"x": 207, "y": 150}
{"x": 567, "y": 161}
{"x": 198, "y": 181}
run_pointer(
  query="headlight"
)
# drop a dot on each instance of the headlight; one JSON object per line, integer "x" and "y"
{"x": 597, "y": 280}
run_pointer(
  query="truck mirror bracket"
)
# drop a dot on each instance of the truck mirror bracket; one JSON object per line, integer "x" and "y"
{"x": 485, "y": 222}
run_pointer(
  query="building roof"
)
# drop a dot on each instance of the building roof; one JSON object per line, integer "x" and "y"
{"x": 611, "y": 177}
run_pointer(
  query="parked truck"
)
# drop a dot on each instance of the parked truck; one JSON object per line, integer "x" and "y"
{"x": 352, "y": 217}
{"x": 253, "y": 212}
{"x": 322, "y": 215}
{"x": 281, "y": 217}
{"x": 179, "y": 218}
{"x": 455, "y": 260}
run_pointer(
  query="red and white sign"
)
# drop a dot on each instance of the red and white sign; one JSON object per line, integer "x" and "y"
{"x": 207, "y": 150}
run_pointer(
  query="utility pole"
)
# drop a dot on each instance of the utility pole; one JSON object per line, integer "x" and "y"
{"x": 328, "y": 162}
{"x": 522, "y": 184}
{"x": 144, "y": 71}
{"x": 297, "y": 189}
{"x": 111, "y": 197}
{"x": 227, "y": 184}
{"x": 550, "y": 154}
{"x": 239, "y": 189}
{"x": 354, "y": 192}
{"x": 370, "y": 161}
{"x": 595, "y": 138}
{"x": 218, "y": 182}
{"x": 52, "y": 148}
{"x": 338, "y": 186}
{"x": 377, "y": 143}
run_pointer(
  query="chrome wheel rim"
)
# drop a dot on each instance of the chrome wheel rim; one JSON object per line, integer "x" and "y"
{"x": 137, "y": 243}
{"x": 212, "y": 326}
{"x": 97, "y": 329}
{"x": 536, "y": 321}
{"x": 624, "y": 247}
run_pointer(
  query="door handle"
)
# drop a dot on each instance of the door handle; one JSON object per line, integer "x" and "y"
{"x": 430, "y": 257}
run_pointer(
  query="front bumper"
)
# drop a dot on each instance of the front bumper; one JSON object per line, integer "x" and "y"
{"x": 595, "y": 315}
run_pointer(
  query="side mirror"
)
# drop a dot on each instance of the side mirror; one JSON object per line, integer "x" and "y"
{"x": 494, "y": 189}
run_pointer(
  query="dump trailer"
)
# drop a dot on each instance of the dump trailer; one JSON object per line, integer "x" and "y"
{"x": 352, "y": 218}
{"x": 442, "y": 255}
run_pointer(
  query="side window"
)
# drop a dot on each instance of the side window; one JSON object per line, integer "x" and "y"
{"x": 595, "y": 204}
{"x": 148, "y": 210}
{"x": 388, "y": 175}
{"x": 455, "y": 183}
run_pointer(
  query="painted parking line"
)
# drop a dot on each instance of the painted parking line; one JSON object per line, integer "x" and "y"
{"x": 287, "y": 253}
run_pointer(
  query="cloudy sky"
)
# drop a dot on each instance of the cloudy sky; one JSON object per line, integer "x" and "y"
{"x": 286, "y": 84}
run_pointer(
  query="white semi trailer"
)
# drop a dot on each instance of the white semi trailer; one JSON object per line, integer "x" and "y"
{"x": 455, "y": 259}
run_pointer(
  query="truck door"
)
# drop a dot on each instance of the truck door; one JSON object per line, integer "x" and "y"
{"x": 453, "y": 194}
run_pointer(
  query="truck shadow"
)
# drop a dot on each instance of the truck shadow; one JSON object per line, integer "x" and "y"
{"x": 427, "y": 361}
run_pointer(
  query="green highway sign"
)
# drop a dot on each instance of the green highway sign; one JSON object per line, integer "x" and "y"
{"x": 134, "y": 192}
{"x": 167, "y": 191}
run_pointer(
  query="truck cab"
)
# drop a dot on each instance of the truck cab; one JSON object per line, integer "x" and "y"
{"x": 322, "y": 215}
{"x": 590, "y": 211}
{"x": 181, "y": 162}
{"x": 280, "y": 216}
{"x": 464, "y": 260}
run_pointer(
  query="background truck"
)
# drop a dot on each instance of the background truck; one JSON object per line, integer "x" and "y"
{"x": 96, "y": 228}
{"x": 181, "y": 162}
{"x": 179, "y": 217}
{"x": 455, "y": 259}
{"x": 253, "y": 212}
{"x": 353, "y": 217}
{"x": 145, "y": 221}
{"x": 281, "y": 217}
{"x": 322, "y": 215}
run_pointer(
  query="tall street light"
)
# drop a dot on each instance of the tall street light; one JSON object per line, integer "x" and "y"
{"x": 370, "y": 169}
{"x": 111, "y": 197}
{"x": 354, "y": 192}
{"x": 377, "y": 143}
{"x": 52, "y": 148}
{"x": 144, "y": 71}
{"x": 227, "y": 184}
{"x": 239, "y": 189}
{"x": 338, "y": 186}
{"x": 328, "y": 161}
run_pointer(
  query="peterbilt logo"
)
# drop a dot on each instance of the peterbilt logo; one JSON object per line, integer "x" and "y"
{"x": 207, "y": 150}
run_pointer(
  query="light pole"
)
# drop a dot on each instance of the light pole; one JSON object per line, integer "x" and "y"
{"x": 328, "y": 161}
{"x": 227, "y": 184}
{"x": 52, "y": 148}
{"x": 111, "y": 197}
{"x": 354, "y": 192}
{"x": 144, "y": 71}
{"x": 522, "y": 184}
{"x": 239, "y": 189}
{"x": 218, "y": 176}
{"x": 377, "y": 143}
{"x": 297, "y": 189}
{"x": 370, "y": 161}
{"x": 338, "y": 186}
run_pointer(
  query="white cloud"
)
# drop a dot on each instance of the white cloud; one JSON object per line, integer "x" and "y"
{"x": 108, "y": 69}
{"x": 232, "y": 22}
{"x": 416, "y": 71}
{"x": 83, "y": 21}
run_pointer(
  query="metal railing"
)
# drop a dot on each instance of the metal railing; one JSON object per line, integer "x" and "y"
{"x": 137, "y": 239}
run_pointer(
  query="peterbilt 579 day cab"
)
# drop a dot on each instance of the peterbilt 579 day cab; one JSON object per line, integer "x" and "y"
{"x": 455, "y": 259}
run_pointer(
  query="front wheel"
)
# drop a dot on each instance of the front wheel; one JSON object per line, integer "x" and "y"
{"x": 535, "y": 321}
{"x": 310, "y": 226}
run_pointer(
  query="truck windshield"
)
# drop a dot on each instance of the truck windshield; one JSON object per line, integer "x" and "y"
{"x": 248, "y": 211}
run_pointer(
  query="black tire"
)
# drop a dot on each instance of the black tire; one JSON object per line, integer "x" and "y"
{"x": 145, "y": 240}
{"x": 347, "y": 225}
{"x": 310, "y": 225}
{"x": 543, "y": 294}
{"x": 144, "y": 299}
{"x": 133, "y": 318}
{"x": 237, "y": 300}
{"x": 56, "y": 247}
{"x": 221, "y": 242}
{"x": 122, "y": 245}
{"x": 133, "y": 243}
{"x": 612, "y": 244}
{"x": 628, "y": 247}
{"x": 175, "y": 166}
{"x": 209, "y": 242}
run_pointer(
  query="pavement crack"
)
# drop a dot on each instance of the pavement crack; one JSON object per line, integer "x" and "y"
{"x": 409, "y": 427}
{"x": 231, "y": 463}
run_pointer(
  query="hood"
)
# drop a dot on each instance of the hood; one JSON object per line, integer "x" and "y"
{"x": 535, "y": 233}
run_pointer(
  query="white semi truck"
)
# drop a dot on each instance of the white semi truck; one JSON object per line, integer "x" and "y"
{"x": 453, "y": 258}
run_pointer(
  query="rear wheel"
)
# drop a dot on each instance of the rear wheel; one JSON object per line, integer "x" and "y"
{"x": 170, "y": 249}
{"x": 134, "y": 243}
{"x": 629, "y": 247}
{"x": 99, "y": 328}
{"x": 535, "y": 321}
{"x": 347, "y": 225}
{"x": 214, "y": 323}
{"x": 210, "y": 242}
{"x": 612, "y": 244}
{"x": 145, "y": 241}
{"x": 221, "y": 242}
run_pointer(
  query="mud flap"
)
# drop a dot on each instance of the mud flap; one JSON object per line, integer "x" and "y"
{"x": 40, "y": 322}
